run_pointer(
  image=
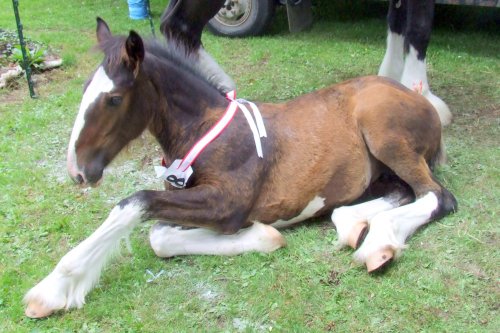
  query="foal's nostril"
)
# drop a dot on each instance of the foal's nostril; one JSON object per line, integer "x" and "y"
{"x": 78, "y": 179}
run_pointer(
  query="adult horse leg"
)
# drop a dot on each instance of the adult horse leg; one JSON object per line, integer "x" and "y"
{"x": 393, "y": 63}
{"x": 182, "y": 24}
{"x": 417, "y": 34}
{"x": 389, "y": 229}
{"x": 170, "y": 240}
{"x": 213, "y": 72}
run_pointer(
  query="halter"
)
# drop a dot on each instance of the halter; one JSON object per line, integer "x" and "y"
{"x": 178, "y": 173}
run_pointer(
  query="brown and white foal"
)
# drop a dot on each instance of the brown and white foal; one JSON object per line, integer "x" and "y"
{"x": 323, "y": 150}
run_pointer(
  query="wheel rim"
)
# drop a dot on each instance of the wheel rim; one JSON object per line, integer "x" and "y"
{"x": 234, "y": 12}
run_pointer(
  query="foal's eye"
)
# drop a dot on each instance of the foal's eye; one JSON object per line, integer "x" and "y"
{"x": 115, "y": 100}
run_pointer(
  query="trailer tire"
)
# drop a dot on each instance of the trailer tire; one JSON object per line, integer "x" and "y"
{"x": 242, "y": 18}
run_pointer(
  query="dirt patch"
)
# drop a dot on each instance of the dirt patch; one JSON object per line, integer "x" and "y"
{"x": 16, "y": 93}
{"x": 475, "y": 270}
{"x": 491, "y": 111}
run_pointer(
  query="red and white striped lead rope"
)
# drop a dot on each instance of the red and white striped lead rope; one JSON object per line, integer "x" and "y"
{"x": 179, "y": 171}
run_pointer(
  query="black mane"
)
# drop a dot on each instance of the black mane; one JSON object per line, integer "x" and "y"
{"x": 113, "y": 47}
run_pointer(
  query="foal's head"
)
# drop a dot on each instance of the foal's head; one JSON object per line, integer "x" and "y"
{"x": 114, "y": 108}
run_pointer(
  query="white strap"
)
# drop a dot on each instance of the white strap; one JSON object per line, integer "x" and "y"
{"x": 258, "y": 117}
{"x": 256, "y": 125}
{"x": 253, "y": 127}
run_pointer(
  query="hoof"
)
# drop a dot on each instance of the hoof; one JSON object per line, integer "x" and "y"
{"x": 379, "y": 259}
{"x": 357, "y": 234}
{"x": 36, "y": 310}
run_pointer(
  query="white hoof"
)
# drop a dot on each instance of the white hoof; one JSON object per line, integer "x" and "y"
{"x": 269, "y": 238}
{"x": 48, "y": 296}
{"x": 380, "y": 245}
{"x": 349, "y": 227}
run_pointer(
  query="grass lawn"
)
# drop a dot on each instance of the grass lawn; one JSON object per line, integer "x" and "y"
{"x": 447, "y": 280}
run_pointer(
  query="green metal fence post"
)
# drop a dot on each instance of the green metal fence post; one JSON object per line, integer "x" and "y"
{"x": 26, "y": 65}
{"x": 150, "y": 18}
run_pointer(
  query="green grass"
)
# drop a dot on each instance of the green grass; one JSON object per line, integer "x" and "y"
{"x": 446, "y": 281}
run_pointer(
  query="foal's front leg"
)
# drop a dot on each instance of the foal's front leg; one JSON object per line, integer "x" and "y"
{"x": 77, "y": 272}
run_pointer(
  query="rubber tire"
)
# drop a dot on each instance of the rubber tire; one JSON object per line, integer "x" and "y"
{"x": 261, "y": 14}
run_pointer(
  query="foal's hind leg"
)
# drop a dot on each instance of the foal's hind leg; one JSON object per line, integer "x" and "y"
{"x": 168, "y": 241}
{"x": 351, "y": 222}
{"x": 390, "y": 229}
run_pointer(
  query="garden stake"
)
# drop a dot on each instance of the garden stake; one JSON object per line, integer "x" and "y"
{"x": 26, "y": 66}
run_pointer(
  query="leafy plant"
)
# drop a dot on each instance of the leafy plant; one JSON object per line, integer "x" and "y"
{"x": 35, "y": 56}
{"x": 6, "y": 42}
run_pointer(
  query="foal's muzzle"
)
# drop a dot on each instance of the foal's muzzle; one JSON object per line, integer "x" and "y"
{"x": 78, "y": 179}
{"x": 90, "y": 175}
{"x": 81, "y": 179}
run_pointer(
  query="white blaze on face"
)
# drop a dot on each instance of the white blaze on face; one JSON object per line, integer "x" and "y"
{"x": 100, "y": 83}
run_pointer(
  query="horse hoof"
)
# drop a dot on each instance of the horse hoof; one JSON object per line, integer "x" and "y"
{"x": 36, "y": 310}
{"x": 357, "y": 234}
{"x": 379, "y": 259}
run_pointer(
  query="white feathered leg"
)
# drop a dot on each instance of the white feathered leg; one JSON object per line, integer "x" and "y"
{"x": 390, "y": 229}
{"x": 393, "y": 63}
{"x": 168, "y": 241}
{"x": 78, "y": 271}
{"x": 351, "y": 222}
{"x": 415, "y": 77}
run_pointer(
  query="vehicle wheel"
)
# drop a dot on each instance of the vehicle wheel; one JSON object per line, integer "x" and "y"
{"x": 240, "y": 18}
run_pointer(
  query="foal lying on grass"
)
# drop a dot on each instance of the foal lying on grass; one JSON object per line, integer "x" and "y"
{"x": 285, "y": 164}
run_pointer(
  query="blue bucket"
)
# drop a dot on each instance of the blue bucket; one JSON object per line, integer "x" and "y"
{"x": 137, "y": 9}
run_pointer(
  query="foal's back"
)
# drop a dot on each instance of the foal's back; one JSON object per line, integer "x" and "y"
{"x": 321, "y": 148}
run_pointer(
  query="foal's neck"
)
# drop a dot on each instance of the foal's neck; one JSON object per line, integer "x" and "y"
{"x": 187, "y": 104}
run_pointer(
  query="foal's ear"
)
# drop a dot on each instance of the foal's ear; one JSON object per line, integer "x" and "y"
{"x": 103, "y": 33}
{"x": 134, "y": 49}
